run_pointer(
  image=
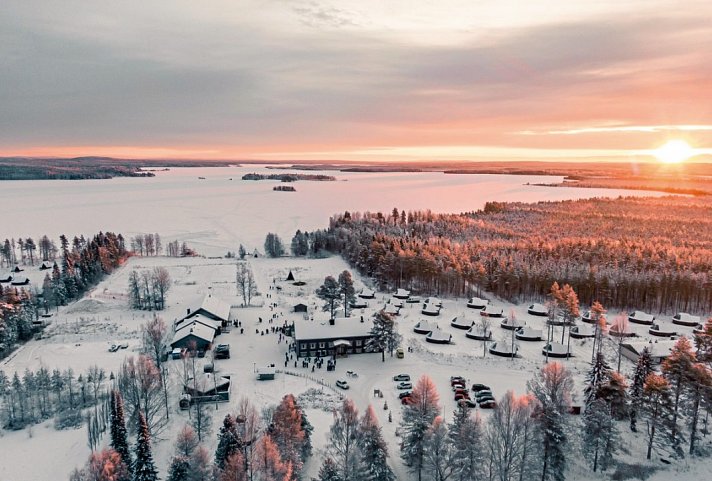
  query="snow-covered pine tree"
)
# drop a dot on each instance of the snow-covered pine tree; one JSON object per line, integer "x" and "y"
{"x": 552, "y": 389}
{"x": 179, "y": 469}
{"x": 438, "y": 453}
{"x": 143, "y": 466}
{"x": 383, "y": 334}
{"x": 117, "y": 428}
{"x": 227, "y": 441}
{"x": 643, "y": 367}
{"x": 328, "y": 471}
{"x": 465, "y": 437}
{"x": 599, "y": 374}
{"x": 657, "y": 408}
{"x": 599, "y": 437}
{"x": 417, "y": 418}
{"x": 676, "y": 368}
{"x": 699, "y": 389}
{"x": 347, "y": 291}
{"x": 374, "y": 449}
{"x": 330, "y": 293}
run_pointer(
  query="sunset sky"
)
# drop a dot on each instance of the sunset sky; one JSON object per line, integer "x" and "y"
{"x": 356, "y": 80}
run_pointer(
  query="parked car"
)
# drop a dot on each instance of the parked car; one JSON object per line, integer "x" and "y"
{"x": 404, "y": 394}
{"x": 461, "y": 391}
{"x": 461, "y": 396}
{"x": 401, "y": 377}
{"x": 488, "y": 404}
{"x": 222, "y": 351}
{"x": 480, "y": 387}
{"x": 399, "y": 353}
{"x": 485, "y": 393}
{"x": 467, "y": 403}
{"x": 488, "y": 397}
{"x": 404, "y": 385}
{"x": 201, "y": 353}
{"x": 177, "y": 353}
{"x": 457, "y": 380}
{"x": 209, "y": 367}
{"x": 407, "y": 401}
{"x": 457, "y": 386}
{"x": 342, "y": 384}
{"x": 124, "y": 345}
{"x": 114, "y": 348}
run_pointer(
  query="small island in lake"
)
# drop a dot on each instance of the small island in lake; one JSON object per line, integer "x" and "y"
{"x": 284, "y": 188}
{"x": 289, "y": 177}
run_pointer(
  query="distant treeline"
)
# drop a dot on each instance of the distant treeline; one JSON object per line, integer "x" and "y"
{"x": 288, "y": 177}
{"x": 26, "y": 168}
{"x": 652, "y": 254}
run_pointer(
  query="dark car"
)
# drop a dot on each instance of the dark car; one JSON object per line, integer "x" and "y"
{"x": 489, "y": 404}
{"x": 222, "y": 351}
{"x": 461, "y": 396}
{"x": 457, "y": 386}
{"x": 406, "y": 401}
{"x": 404, "y": 394}
{"x": 457, "y": 380}
{"x": 467, "y": 403}
{"x": 401, "y": 377}
{"x": 480, "y": 387}
{"x": 462, "y": 391}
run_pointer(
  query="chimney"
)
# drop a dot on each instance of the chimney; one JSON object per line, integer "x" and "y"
{"x": 332, "y": 321}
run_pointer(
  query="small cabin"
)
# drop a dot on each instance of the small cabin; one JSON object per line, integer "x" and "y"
{"x": 266, "y": 373}
{"x": 290, "y": 276}
{"x": 301, "y": 307}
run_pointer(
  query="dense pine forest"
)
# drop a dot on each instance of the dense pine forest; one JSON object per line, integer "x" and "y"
{"x": 653, "y": 254}
{"x": 80, "y": 266}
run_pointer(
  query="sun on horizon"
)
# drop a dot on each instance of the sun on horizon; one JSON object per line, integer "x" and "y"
{"x": 674, "y": 152}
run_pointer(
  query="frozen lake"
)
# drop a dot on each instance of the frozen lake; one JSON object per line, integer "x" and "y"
{"x": 222, "y": 211}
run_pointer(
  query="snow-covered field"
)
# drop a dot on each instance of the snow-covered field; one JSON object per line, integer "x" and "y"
{"x": 221, "y": 211}
{"x": 82, "y": 332}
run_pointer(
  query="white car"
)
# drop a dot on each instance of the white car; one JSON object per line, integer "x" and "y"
{"x": 342, "y": 384}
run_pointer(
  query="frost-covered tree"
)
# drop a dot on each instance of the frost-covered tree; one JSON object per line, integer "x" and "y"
{"x": 656, "y": 409}
{"x": 552, "y": 388}
{"x": 143, "y": 466}
{"x": 676, "y": 368}
{"x": 598, "y": 375}
{"x": 599, "y": 436}
{"x": 373, "y": 449}
{"x": 344, "y": 441}
{"x": 417, "y": 419}
{"x": 643, "y": 367}
{"x": 347, "y": 291}
{"x": 466, "y": 437}
{"x": 699, "y": 392}
{"x": 273, "y": 245}
{"x": 383, "y": 335}
{"x": 328, "y": 471}
{"x": 438, "y": 453}
{"x": 228, "y": 441}
{"x": 245, "y": 281}
{"x": 117, "y": 428}
{"x": 330, "y": 293}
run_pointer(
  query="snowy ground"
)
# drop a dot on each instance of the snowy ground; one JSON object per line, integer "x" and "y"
{"x": 81, "y": 334}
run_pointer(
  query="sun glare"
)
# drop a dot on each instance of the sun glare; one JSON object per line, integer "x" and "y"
{"x": 674, "y": 152}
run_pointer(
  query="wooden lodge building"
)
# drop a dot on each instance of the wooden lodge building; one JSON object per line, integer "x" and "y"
{"x": 338, "y": 337}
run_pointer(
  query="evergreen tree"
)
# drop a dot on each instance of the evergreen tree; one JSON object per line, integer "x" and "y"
{"x": 599, "y": 374}
{"x": 228, "y": 441}
{"x": 374, "y": 449}
{"x": 347, "y": 291}
{"x": 143, "y": 467}
{"x": 552, "y": 389}
{"x": 643, "y": 367}
{"x": 179, "y": 469}
{"x": 438, "y": 458}
{"x": 417, "y": 419}
{"x": 328, "y": 471}
{"x": 657, "y": 410}
{"x": 599, "y": 435}
{"x": 330, "y": 293}
{"x": 344, "y": 440}
{"x": 287, "y": 433}
{"x": 465, "y": 439}
{"x": 676, "y": 368}
{"x": 117, "y": 428}
{"x": 273, "y": 245}
{"x": 383, "y": 335}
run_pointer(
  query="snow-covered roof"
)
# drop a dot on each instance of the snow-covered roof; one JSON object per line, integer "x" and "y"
{"x": 682, "y": 316}
{"x": 344, "y": 327}
{"x": 439, "y": 335}
{"x": 216, "y": 306}
{"x": 391, "y": 309}
{"x": 504, "y": 347}
{"x": 529, "y": 332}
{"x": 198, "y": 330}
{"x": 583, "y": 329}
{"x": 424, "y": 324}
{"x": 657, "y": 349}
{"x": 367, "y": 293}
{"x": 433, "y": 301}
{"x": 555, "y": 348}
{"x": 431, "y": 309}
{"x": 641, "y": 316}
{"x": 476, "y": 301}
{"x": 402, "y": 293}
{"x": 197, "y": 318}
{"x": 490, "y": 310}
{"x": 461, "y": 321}
{"x": 538, "y": 308}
